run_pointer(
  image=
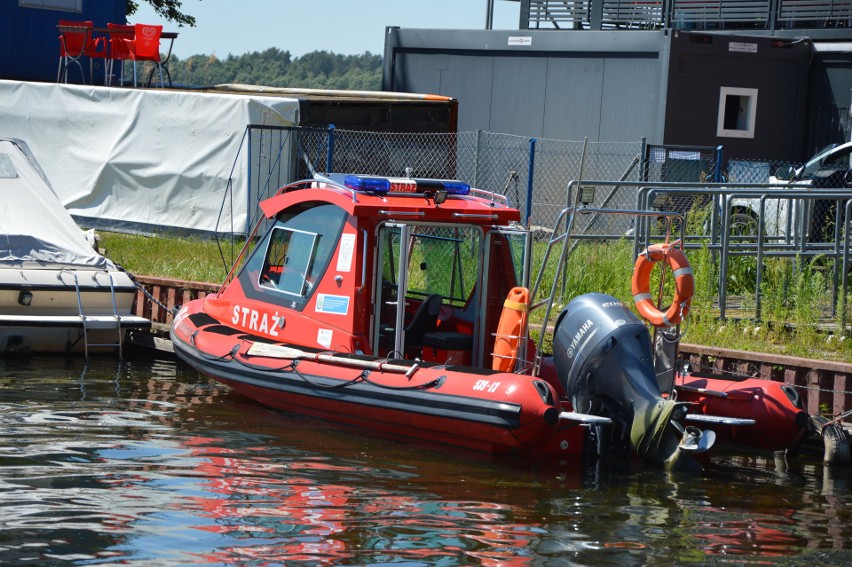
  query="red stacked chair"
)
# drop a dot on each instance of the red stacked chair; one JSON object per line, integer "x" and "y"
{"x": 120, "y": 37}
{"x": 144, "y": 45}
{"x": 75, "y": 41}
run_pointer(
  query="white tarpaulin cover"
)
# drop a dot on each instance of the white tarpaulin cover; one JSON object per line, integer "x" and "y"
{"x": 34, "y": 226}
{"x": 142, "y": 159}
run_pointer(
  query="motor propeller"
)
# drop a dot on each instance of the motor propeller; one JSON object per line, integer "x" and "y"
{"x": 692, "y": 442}
{"x": 695, "y": 440}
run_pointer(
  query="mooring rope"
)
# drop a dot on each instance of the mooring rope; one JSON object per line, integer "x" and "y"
{"x": 230, "y": 354}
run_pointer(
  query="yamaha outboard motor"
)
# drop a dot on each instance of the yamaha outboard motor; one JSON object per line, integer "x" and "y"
{"x": 602, "y": 353}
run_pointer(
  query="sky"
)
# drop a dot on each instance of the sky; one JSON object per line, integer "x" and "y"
{"x": 348, "y": 27}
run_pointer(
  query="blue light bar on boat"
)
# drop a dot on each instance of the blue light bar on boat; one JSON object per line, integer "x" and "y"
{"x": 371, "y": 184}
{"x": 456, "y": 187}
{"x": 367, "y": 184}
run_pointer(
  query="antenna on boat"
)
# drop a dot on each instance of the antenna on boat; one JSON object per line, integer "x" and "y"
{"x": 512, "y": 180}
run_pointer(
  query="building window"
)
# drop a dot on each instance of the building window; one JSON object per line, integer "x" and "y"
{"x": 737, "y": 109}
{"x": 60, "y": 5}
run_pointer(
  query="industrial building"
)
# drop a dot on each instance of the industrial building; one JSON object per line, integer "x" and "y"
{"x": 768, "y": 78}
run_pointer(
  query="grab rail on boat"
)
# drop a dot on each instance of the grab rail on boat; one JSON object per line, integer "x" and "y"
{"x": 490, "y": 195}
{"x": 312, "y": 184}
{"x": 335, "y": 184}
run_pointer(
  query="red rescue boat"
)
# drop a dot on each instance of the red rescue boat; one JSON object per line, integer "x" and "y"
{"x": 376, "y": 302}
{"x": 486, "y": 411}
{"x": 401, "y": 305}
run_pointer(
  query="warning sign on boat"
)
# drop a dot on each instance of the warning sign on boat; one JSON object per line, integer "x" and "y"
{"x": 335, "y": 304}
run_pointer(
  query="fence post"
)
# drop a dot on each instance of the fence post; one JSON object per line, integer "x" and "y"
{"x": 329, "y": 155}
{"x": 530, "y": 179}
{"x": 773, "y": 15}
{"x": 476, "y": 158}
{"x": 251, "y": 204}
{"x": 717, "y": 178}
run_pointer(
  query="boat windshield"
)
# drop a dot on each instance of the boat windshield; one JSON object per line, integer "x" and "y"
{"x": 293, "y": 255}
{"x": 289, "y": 259}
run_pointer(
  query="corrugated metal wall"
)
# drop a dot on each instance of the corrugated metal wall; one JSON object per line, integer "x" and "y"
{"x": 565, "y": 86}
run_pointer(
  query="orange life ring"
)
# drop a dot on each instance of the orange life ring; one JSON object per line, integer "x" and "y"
{"x": 684, "y": 284}
{"x": 510, "y": 330}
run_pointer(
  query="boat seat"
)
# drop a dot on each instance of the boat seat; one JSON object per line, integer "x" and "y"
{"x": 425, "y": 320}
{"x": 449, "y": 340}
{"x": 447, "y": 346}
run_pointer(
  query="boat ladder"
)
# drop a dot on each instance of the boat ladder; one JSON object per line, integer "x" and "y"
{"x": 91, "y": 322}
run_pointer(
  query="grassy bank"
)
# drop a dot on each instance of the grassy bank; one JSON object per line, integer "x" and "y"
{"x": 191, "y": 259}
{"x": 792, "y": 296}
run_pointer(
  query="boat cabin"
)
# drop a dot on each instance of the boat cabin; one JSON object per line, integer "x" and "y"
{"x": 396, "y": 268}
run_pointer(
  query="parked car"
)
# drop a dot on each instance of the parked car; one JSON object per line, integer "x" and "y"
{"x": 830, "y": 168}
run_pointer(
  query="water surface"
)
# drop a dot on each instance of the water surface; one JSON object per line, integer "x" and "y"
{"x": 149, "y": 463}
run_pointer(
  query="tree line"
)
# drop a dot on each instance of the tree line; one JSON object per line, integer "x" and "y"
{"x": 276, "y": 68}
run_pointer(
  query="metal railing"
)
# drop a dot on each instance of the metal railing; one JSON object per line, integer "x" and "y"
{"x": 697, "y": 14}
{"x": 793, "y": 239}
{"x": 799, "y": 224}
{"x": 749, "y": 222}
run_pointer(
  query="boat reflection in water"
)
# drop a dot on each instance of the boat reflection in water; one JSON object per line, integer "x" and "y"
{"x": 147, "y": 463}
{"x": 369, "y": 498}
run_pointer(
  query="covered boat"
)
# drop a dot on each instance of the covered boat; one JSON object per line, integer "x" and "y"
{"x": 57, "y": 294}
{"x": 401, "y": 305}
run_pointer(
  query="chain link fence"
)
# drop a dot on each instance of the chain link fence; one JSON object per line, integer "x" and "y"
{"x": 533, "y": 174}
